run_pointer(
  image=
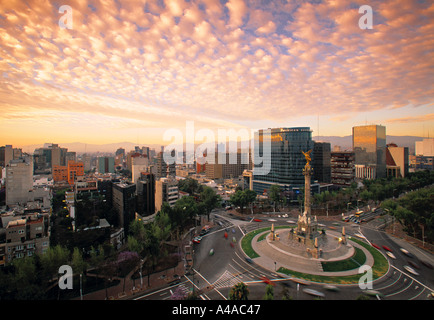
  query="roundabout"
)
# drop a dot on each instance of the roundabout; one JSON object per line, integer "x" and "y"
{"x": 339, "y": 263}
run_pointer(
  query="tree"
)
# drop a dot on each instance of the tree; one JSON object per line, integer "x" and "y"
{"x": 25, "y": 280}
{"x": 190, "y": 186}
{"x": 240, "y": 291}
{"x": 239, "y": 199}
{"x": 52, "y": 259}
{"x": 269, "y": 292}
{"x": 78, "y": 264}
{"x": 210, "y": 199}
{"x": 134, "y": 245}
{"x": 126, "y": 261}
{"x": 137, "y": 229}
{"x": 275, "y": 195}
{"x": 250, "y": 196}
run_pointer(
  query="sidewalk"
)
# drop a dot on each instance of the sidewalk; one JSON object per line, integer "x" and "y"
{"x": 155, "y": 282}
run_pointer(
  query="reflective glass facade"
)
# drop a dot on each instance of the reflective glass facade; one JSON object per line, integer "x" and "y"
{"x": 369, "y": 146}
{"x": 286, "y": 159}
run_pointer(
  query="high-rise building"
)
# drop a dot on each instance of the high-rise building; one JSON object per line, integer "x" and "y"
{"x": 139, "y": 164}
{"x": 70, "y": 156}
{"x": 8, "y": 153}
{"x": 424, "y": 154}
{"x": 342, "y": 168}
{"x": 106, "y": 165}
{"x": 425, "y": 147}
{"x": 146, "y": 194}
{"x": 321, "y": 162}
{"x": 397, "y": 161}
{"x": 369, "y": 146}
{"x": 166, "y": 190}
{"x": 75, "y": 169}
{"x": 232, "y": 166}
{"x": 49, "y": 156}
{"x": 286, "y": 158}
{"x": 60, "y": 173}
{"x": 19, "y": 182}
{"x": 124, "y": 202}
{"x": 68, "y": 173}
{"x": 162, "y": 168}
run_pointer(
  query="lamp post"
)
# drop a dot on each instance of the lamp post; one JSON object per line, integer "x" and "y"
{"x": 141, "y": 278}
{"x": 81, "y": 291}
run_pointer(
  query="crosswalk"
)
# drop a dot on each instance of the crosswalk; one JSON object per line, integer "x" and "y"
{"x": 227, "y": 279}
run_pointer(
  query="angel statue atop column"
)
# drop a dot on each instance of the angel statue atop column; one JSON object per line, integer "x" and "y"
{"x": 307, "y": 156}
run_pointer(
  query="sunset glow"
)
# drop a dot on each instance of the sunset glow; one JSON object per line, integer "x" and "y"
{"x": 130, "y": 69}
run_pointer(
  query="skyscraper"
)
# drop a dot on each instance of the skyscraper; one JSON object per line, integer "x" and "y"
{"x": 321, "y": 162}
{"x": 286, "y": 158}
{"x": 369, "y": 146}
{"x": 19, "y": 181}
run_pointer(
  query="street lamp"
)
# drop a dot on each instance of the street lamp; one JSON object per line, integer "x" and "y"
{"x": 141, "y": 278}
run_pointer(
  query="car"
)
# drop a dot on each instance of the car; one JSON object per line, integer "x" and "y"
{"x": 211, "y": 252}
{"x": 411, "y": 270}
{"x": 390, "y": 254}
{"x": 249, "y": 260}
{"x": 257, "y": 220}
{"x": 314, "y": 293}
{"x": 387, "y": 248}
{"x": 330, "y": 287}
{"x": 375, "y": 246}
{"x": 267, "y": 281}
{"x": 374, "y": 293}
{"x": 197, "y": 239}
{"x": 404, "y": 251}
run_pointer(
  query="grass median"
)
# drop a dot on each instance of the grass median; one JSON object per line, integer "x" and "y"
{"x": 246, "y": 242}
{"x": 380, "y": 268}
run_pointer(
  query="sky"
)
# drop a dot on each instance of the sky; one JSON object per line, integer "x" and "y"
{"x": 132, "y": 70}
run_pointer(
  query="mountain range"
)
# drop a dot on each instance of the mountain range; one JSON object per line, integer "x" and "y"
{"x": 345, "y": 143}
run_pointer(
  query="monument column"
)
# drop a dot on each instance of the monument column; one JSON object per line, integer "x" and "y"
{"x": 307, "y": 172}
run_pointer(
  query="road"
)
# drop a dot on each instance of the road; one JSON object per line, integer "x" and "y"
{"x": 215, "y": 274}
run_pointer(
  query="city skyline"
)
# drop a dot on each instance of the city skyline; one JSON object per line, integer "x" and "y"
{"x": 130, "y": 71}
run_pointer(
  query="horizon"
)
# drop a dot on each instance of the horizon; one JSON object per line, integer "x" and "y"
{"x": 31, "y": 147}
{"x": 105, "y": 71}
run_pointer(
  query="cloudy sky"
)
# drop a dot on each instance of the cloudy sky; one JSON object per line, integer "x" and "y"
{"x": 130, "y": 70}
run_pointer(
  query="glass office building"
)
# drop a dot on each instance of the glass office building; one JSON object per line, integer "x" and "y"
{"x": 285, "y": 158}
{"x": 369, "y": 146}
